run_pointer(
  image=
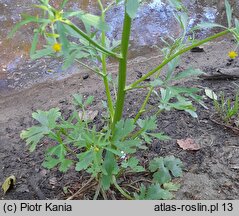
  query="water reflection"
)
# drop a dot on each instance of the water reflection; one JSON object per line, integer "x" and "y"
{"x": 153, "y": 21}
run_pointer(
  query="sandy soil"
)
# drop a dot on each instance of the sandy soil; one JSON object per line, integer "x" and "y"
{"x": 209, "y": 173}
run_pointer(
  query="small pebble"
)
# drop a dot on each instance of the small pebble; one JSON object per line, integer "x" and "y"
{"x": 197, "y": 49}
{"x": 86, "y": 76}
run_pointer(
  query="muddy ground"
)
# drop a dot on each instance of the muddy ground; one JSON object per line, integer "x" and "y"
{"x": 209, "y": 173}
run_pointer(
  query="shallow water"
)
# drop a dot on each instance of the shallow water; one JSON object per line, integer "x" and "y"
{"x": 154, "y": 20}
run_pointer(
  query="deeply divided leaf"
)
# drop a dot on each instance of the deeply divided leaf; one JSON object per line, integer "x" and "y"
{"x": 153, "y": 192}
{"x": 188, "y": 73}
{"x": 229, "y": 13}
{"x": 128, "y": 146}
{"x": 163, "y": 168}
{"x": 65, "y": 165}
{"x": 85, "y": 159}
{"x": 133, "y": 164}
{"x": 110, "y": 168}
{"x": 123, "y": 128}
{"x": 132, "y": 7}
{"x": 33, "y": 135}
{"x": 148, "y": 124}
{"x": 174, "y": 165}
{"x": 177, "y": 4}
{"x": 47, "y": 118}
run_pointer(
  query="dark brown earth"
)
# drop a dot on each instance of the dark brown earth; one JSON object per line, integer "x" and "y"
{"x": 209, "y": 173}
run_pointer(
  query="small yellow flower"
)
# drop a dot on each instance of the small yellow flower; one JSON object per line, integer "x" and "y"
{"x": 232, "y": 54}
{"x": 96, "y": 149}
{"x": 56, "y": 47}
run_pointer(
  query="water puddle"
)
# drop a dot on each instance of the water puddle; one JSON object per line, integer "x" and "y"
{"x": 154, "y": 20}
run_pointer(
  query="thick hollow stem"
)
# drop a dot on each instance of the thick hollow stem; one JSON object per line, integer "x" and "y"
{"x": 166, "y": 61}
{"x": 122, "y": 70}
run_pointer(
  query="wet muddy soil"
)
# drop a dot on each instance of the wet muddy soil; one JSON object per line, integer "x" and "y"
{"x": 212, "y": 172}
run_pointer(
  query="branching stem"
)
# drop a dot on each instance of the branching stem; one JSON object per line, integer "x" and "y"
{"x": 93, "y": 70}
{"x": 180, "y": 52}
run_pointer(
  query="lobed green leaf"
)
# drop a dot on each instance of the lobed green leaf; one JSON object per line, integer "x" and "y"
{"x": 188, "y": 73}
{"x": 33, "y": 136}
{"x": 174, "y": 165}
{"x": 85, "y": 159}
{"x": 47, "y": 118}
{"x": 149, "y": 123}
{"x": 162, "y": 167}
{"x": 110, "y": 168}
{"x": 229, "y": 13}
{"x": 123, "y": 128}
{"x": 153, "y": 192}
{"x": 132, "y": 7}
{"x": 133, "y": 164}
{"x": 208, "y": 25}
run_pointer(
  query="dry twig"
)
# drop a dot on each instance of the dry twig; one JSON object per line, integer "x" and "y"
{"x": 83, "y": 188}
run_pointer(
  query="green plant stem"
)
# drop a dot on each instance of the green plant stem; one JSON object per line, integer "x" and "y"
{"x": 101, "y": 6}
{"x": 158, "y": 112}
{"x": 142, "y": 109}
{"x": 104, "y": 67}
{"x": 63, "y": 4}
{"x": 69, "y": 150}
{"x": 166, "y": 61}
{"x": 59, "y": 139}
{"x": 136, "y": 134}
{"x": 120, "y": 189}
{"x": 53, "y": 31}
{"x": 122, "y": 70}
{"x": 138, "y": 87}
{"x": 106, "y": 84}
{"x": 109, "y": 6}
{"x": 94, "y": 43}
{"x": 93, "y": 70}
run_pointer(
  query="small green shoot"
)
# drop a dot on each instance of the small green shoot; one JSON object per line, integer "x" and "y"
{"x": 227, "y": 109}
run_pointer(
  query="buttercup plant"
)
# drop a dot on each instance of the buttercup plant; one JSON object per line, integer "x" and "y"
{"x": 108, "y": 153}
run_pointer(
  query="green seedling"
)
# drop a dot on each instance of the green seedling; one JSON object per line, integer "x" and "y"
{"x": 227, "y": 109}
